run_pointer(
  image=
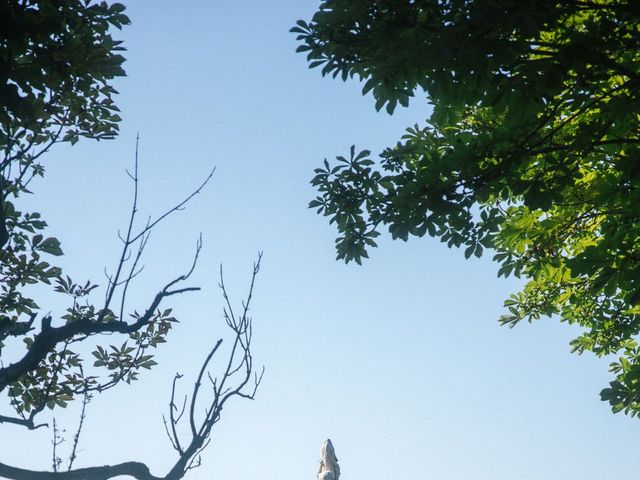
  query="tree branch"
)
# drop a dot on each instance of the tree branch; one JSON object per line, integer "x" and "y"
{"x": 25, "y": 422}
{"x": 239, "y": 356}
{"x": 136, "y": 470}
{"x": 50, "y": 336}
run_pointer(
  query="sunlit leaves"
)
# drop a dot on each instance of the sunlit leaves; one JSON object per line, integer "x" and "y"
{"x": 531, "y": 150}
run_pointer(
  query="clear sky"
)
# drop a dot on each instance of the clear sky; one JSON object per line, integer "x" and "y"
{"x": 401, "y": 362}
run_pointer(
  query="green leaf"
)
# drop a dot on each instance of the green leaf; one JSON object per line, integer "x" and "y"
{"x": 51, "y": 245}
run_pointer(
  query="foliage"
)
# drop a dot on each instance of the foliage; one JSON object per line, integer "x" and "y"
{"x": 57, "y": 61}
{"x": 531, "y": 150}
{"x": 57, "y": 64}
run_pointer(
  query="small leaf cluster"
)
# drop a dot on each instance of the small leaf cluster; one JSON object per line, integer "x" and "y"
{"x": 21, "y": 265}
{"x": 54, "y": 383}
{"x": 348, "y": 188}
{"x": 124, "y": 362}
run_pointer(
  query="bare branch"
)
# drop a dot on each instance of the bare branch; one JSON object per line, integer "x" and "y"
{"x": 196, "y": 387}
{"x": 132, "y": 272}
{"x": 238, "y": 357}
{"x": 76, "y": 438}
{"x": 174, "y": 209}
{"x": 57, "y": 440}
{"x": 173, "y": 436}
{"x": 127, "y": 240}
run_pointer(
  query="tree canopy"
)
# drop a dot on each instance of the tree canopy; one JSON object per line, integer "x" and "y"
{"x": 532, "y": 150}
{"x": 57, "y": 64}
{"x": 58, "y": 61}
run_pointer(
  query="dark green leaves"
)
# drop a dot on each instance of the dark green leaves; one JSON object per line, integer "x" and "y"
{"x": 50, "y": 245}
{"x": 57, "y": 63}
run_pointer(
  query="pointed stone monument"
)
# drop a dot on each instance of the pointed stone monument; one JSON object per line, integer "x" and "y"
{"x": 329, "y": 468}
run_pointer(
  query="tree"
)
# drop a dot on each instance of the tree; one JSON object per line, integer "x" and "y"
{"x": 532, "y": 150}
{"x": 57, "y": 63}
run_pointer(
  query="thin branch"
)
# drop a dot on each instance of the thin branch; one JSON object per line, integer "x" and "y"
{"x": 134, "y": 209}
{"x": 174, "y": 209}
{"x": 132, "y": 272}
{"x": 196, "y": 387}
{"x": 240, "y": 353}
{"x": 175, "y": 441}
{"x": 57, "y": 440}
{"x": 76, "y": 437}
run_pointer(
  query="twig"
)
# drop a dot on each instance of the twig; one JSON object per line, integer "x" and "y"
{"x": 85, "y": 400}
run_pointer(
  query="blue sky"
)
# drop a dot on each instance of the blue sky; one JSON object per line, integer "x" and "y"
{"x": 400, "y": 362}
